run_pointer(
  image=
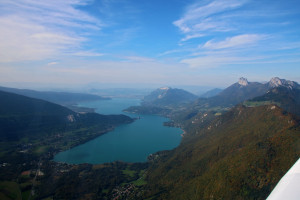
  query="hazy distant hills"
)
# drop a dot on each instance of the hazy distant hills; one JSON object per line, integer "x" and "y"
{"x": 24, "y": 116}
{"x": 211, "y": 93}
{"x": 239, "y": 155}
{"x": 62, "y": 98}
{"x": 167, "y": 96}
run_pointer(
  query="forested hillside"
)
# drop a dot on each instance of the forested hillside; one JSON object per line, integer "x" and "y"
{"x": 239, "y": 155}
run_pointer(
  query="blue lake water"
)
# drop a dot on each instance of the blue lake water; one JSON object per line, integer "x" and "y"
{"x": 128, "y": 142}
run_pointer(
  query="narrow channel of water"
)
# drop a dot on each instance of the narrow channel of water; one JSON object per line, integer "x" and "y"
{"x": 128, "y": 142}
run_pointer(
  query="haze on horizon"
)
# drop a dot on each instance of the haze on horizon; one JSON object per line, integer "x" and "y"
{"x": 141, "y": 43}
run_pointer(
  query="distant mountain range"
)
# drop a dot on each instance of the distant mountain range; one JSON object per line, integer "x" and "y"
{"x": 211, "y": 93}
{"x": 241, "y": 91}
{"x": 167, "y": 100}
{"x": 63, "y": 98}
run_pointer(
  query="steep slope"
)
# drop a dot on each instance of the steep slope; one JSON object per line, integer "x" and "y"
{"x": 239, "y": 155}
{"x": 55, "y": 97}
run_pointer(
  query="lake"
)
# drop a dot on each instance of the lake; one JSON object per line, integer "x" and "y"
{"x": 128, "y": 142}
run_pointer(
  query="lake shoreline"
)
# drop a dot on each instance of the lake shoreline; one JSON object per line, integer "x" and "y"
{"x": 130, "y": 143}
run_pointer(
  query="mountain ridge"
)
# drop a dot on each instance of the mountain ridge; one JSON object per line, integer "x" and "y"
{"x": 20, "y": 114}
{"x": 229, "y": 158}
{"x": 241, "y": 91}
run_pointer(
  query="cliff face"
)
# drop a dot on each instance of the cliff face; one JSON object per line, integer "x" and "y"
{"x": 243, "y": 81}
{"x": 277, "y": 82}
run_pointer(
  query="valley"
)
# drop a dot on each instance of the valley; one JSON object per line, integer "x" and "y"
{"x": 236, "y": 145}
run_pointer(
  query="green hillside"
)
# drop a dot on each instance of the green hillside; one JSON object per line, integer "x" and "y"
{"x": 239, "y": 155}
{"x": 286, "y": 98}
{"x": 32, "y": 131}
{"x": 23, "y": 116}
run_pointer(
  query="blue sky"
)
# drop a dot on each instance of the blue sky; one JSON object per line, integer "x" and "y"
{"x": 70, "y": 43}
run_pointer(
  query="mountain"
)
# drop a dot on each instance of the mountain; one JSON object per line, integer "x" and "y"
{"x": 170, "y": 101}
{"x": 211, "y": 93}
{"x": 286, "y": 97}
{"x": 241, "y": 154}
{"x": 277, "y": 82}
{"x": 62, "y": 98}
{"x": 242, "y": 91}
{"x": 24, "y": 116}
{"x": 163, "y": 101}
{"x": 167, "y": 96}
{"x": 234, "y": 94}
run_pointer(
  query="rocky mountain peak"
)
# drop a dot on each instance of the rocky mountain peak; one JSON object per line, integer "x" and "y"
{"x": 243, "y": 81}
{"x": 276, "y": 82}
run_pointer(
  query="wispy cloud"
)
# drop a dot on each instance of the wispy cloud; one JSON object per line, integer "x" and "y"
{"x": 87, "y": 54}
{"x": 192, "y": 36}
{"x": 52, "y": 63}
{"x": 138, "y": 59}
{"x": 206, "y": 62}
{"x": 235, "y": 32}
{"x": 35, "y": 30}
{"x": 234, "y": 42}
{"x": 200, "y": 17}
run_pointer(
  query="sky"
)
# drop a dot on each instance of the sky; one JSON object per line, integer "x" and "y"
{"x": 138, "y": 43}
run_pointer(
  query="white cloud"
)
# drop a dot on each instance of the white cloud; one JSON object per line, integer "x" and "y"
{"x": 191, "y": 36}
{"x": 206, "y": 62}
{"x": 52, "y": 63}
{"x": 138, "y": 59}
{"x": 87, "y": 54}
{"x": 199, "y": 17}
{"x": 36, "y": 30}
{"x": 236, "y": 41}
